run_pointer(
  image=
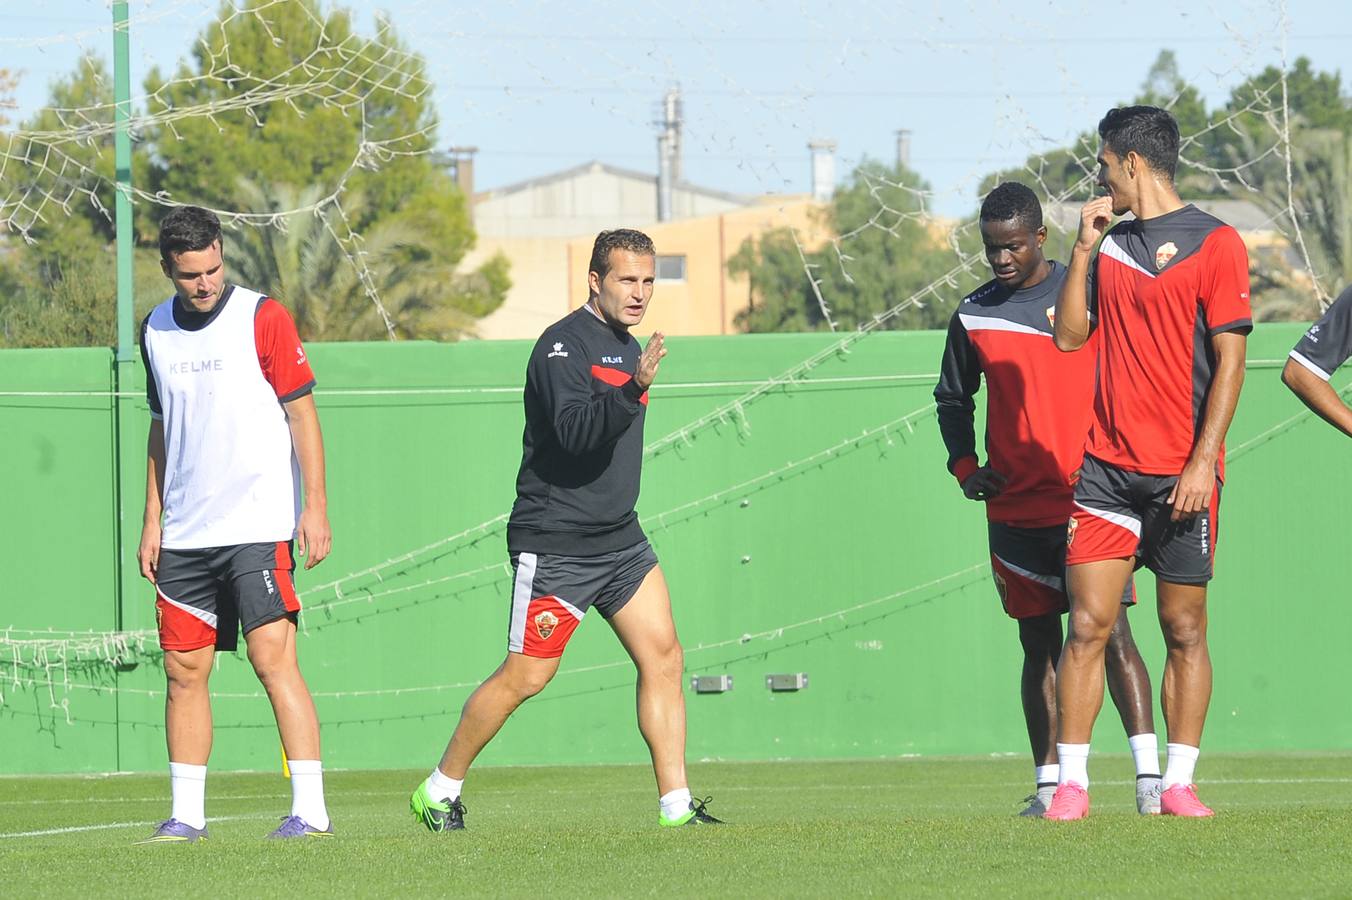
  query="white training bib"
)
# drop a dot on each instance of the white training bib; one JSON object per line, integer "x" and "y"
{"x": 230, "y": 474}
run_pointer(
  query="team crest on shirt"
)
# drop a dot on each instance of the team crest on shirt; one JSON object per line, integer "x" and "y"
{"x": 545, "y": 623}
{"x": 1070, "y": 531}
{"x": 1167, "y": 251}
{"x": 1051, "y": 316}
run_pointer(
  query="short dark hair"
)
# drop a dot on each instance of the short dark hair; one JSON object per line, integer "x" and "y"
{"x": 187, "y": 228}
{"x": 1012, "y": 200}
{"x": 618, "y": 239}
{"x": 1148, "y": 130}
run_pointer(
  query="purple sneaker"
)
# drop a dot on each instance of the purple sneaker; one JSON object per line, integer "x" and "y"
{"x": 295, "y": 826}
{"x": 175, "y": 832}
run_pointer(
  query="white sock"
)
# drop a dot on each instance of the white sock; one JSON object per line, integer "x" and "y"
{"x": 1145, "y": 751}
{"x": 675, "y": 804}
{"x": 1074, "y": 763}
{"x": 442, "y": 788}
{"x": 1182, "y": 762}
{"x": 188, "y": 785}
{"x": 1047, "y": 774}
{"x": 307, "y": 792}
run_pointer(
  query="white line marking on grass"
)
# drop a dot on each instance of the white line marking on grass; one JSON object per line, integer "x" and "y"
{"x": 161, "y": 799}
{"x": 72, "y": 829}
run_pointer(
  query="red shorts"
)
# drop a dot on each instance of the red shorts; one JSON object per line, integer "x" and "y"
{"x": 206, "y": 597}
{"x": 551, "y": 594}
{"x": 1029, "y": 566}
{"x": 1120, "y": 514}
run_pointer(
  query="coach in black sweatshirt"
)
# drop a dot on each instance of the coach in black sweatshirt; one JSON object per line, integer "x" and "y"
{"x": 574, "y": 538}
{"x": 582, "y": 448}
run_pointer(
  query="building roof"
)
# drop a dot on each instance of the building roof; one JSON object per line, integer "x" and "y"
{"x": 595, "y": 166}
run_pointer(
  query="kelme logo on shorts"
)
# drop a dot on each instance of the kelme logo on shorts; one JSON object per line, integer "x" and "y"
{"x": 267, "y": 580}
{"x": 545, "y": 623}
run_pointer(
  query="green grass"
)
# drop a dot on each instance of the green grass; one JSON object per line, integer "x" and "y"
{"x": 914, "y": 827}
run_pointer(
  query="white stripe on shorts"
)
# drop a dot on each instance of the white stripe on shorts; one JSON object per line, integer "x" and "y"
{"x": 1127, "y": 522}
{"x": 522, "y": 589}
{"x": 208, "y": 618}
{"x": 1050, "y": 581}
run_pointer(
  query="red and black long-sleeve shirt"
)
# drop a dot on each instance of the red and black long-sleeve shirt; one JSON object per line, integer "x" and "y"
{"x": 1039, "y": 402}
{"x": 582, "y": 448}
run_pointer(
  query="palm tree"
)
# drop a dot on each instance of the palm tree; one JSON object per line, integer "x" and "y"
{"x": 330, "y": 278}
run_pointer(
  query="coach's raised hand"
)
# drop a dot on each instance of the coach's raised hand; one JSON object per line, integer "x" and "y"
{"x": 649, "y": 361}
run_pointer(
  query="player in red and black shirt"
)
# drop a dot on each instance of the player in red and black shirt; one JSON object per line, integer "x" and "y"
{"x": 1037, "y": 415}
{"x": 1168, "y": 293}
{"x": 1321, "y": 350}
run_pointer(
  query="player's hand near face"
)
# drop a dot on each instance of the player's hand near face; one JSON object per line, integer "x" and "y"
{"x": 1095, "y": 217}
{"x": 1192, "y": 492}
{"x": 651, "y": 358}
{"x": 984, "y": 484}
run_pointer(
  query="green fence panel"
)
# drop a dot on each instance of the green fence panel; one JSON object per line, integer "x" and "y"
{"x": 805, "y": 525}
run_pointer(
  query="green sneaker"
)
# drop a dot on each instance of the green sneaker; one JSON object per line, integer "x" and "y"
{"x": 438, "y": 815}
{"x": 696, "y": 816}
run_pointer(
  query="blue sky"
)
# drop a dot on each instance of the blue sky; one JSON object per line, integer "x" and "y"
{"x": 539, "y": 86}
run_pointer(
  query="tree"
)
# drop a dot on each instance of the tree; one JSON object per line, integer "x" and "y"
{"x": 278, "y": 100}
{"x": 9, "y": 80}
{"x": 311, "y": 267}
{"x": 884, "y": 253}
{"x": 1238, "y": 152}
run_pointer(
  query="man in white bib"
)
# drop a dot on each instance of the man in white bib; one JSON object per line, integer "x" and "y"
{"x": 233, "y": 433}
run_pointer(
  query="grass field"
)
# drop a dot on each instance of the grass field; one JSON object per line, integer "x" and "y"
{"x": 901, "y": 827}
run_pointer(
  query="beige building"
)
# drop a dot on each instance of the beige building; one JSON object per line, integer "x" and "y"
{"x": 694, "y": 293}
{"x": 545, "y": 227}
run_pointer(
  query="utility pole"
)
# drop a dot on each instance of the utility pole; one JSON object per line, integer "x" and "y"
{"x": 122, "y": 162}
{"x": 123, "y": 361}
{"x": 126, "y": 351}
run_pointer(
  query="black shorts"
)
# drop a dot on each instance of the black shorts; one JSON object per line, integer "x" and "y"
{"x": 1121, "y": 514}
{"x": 1029, "y": 567}
{"x": 206, "y": 597}
{"x": 551, "y": 594}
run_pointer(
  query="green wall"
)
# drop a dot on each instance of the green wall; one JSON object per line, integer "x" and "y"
{"x": 864, "y": 568}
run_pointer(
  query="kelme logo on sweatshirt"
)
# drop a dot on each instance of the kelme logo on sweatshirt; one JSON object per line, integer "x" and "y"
{"x": 558, "y": 351}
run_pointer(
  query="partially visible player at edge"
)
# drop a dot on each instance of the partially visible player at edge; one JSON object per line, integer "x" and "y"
{"x": 1169, "y": 293}
{"x": 1319, "y": 353}
{"x": 574, "y": 538}
{"x": 233, "y": 433}
{"x": 1037, "y": 416}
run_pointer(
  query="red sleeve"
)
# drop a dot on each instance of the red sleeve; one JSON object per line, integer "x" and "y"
{"x": 280, "y": 354}
{"x": 1225, "y": 283}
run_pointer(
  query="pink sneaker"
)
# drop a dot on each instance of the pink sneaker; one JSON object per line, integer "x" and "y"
{"x": 1181, "y": 800}
{"x": 1069, "y": 802}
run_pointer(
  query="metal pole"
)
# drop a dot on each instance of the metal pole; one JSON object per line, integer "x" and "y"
{"x": 122, "y": 160}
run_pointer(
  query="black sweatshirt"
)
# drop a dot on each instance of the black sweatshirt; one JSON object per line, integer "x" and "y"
{"x": 582, "y": 449}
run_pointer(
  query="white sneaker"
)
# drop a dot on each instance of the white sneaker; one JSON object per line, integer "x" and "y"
{"x": 1148, "y": 794}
